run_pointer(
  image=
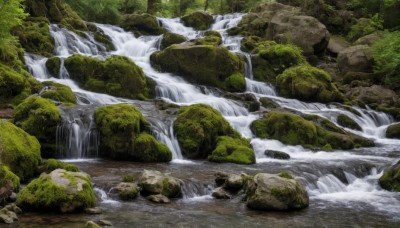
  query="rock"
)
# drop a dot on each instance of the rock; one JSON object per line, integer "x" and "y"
{"x": 9, "y": 182}
{"x": 346, "y": 121}
{"x": 277, "y": 154}
{"x": 390, "y": 180}
{"x": 249, "y": 100}
{"x": 47, "y": 166}
{"x": 198, "y": 20}
{"x": 337, "y": 44}
{"x": 272, "y": 192}
{"x": 7, "y": 216}
{"x": 356, "y": 59}
{"x": 363, "y": 27}
{"x": 122, "y": 135}
{"x": 104, "y": 223}
{"x": 19, "y": 151}
{"x": 141, "y": 24}
{"x": 155, "y": 182}
{"x": 393, "y": 131}
{"x": 58, "y": 92}
{"x": 373, "y": 95}
{"x": 53, "y": 66}
{"x": 170, "y": 39}
{"x": 94, "y": 210}
{"x": 220, "y": 193}
{"x": 40, "y": 118}
{"x": 101, "y": 37}
{"x": 127, "y": 191}
{"x": 308, "y": 83}
{"x": 369, "y": 39}
{"x": 224, "y": 69}
{"x": 229, "y": 181}
{"x": 268, "y": 103}
{"x": 197, "y": 129}
{"x": 234, "y": 150}
{"x": 91, "y": 224}
{"x": 60, "y": 190}
{"x": 158, "y": 198}
{"x": 211, "y": 38}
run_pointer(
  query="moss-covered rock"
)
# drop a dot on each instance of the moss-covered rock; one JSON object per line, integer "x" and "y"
{"x": 198, "y": 127}
{"x": 346, "y": 121}
{"x": 198, "y": 20}
{"x": 313, "y": 132}
{"x": 393, "y": 131}
{"x": 268, "y": 103}
{"x": 39, "y": 117}
{"x": 202, "y": 64}
{"x": 141, "y": 24}
{"x": 49, "y": 165}
{"x": 155, "y": 182}
{"x": 18, "y": 150}
{"x": 101, "y": 37}
{"x": 53, "y": 66}
{"x": 60, "y": 191}
{"x": 233, "y": 150}
{"x": 117, "y": 76}
{"x": 58, "y": 92}
{"x": 127, "y": 191}
{"x": 211, "y": 37}
{"x": 9, "y": 182}
{"x": 12, "y": 83}
{"x": 122, "y": 135}
{"x": 390, "y": 180}
{"x": 170, "y": 39}
{"x": 308, "y": 83}
{"x": 277, "y": 154}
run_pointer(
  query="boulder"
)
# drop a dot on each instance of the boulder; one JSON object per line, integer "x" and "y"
{"x": 234, "y": 150}
{"x": 19, "y": 151}
{"x": 141, "y": 24}
{"x": 170, "y": 39}
{"x": 94, "y": 210}
{"x": 369, "y": 39}
{"x": 58, "y": 92}
{"x": 53, "y": 65}
{"x": 277, "y": 154}
{"x": 101, "y": 37}
{"x": 198, "y": 20}
{"x": 372, "y": 95}
{"x": 220, "y": 193}
{"x": 307, "y": 83}
{"x": 229, "y": 181}
{"x": 9, "y": 183}
{"x": 268, "y": 103}
{"x": 347, "y": 122}
{"x": 355, "y": 58}
{"x": 158, "y": 198}
{"x": 393, "y": 131}
{"x": 390, "y": 180}
{"x": 337, "y": 44}
{"x": 203, "y": 64}
{"x": 154, "y": 182}
{"x": 122, "y": 135}
{"x": 8, "y": 216}
{"x": 211, "y": 37}
{"x": 47, "y": 166}
{"x": 127, "y": 191}
{"x": 60, "y": 190}
{"x": 272, "y": 192}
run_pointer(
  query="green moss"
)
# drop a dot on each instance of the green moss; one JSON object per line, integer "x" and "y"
{"x": 49, "y": 165}
{"x": 280, "y": 193}
{"x": 170, "y": 39}
{"x": 58, "y": 92}
{"x": 141, "y": 24}
{"x": 327, "y": 147}
{"x": 7, "y": 176}
{"x": 81, "y": 68}
{"x": 393, "y": 131}
{"x": 363, "y": 27}
{"x": 39, "y": 117}
{"x": 101, "y": 37}
{"x": 129, "y": 178}
{"x": 233, "y": 150}
{"x": 18, "y": 150}
{"x": 236, "y": 82}
{"x": 198, "y": 20}
{"x": 53, "y": 65}
{"x": 285, "y": 175}
{"x": 390, "y": 180}
{"x": 209, "y": 40}
{"x": 12, "y": 83}
{"x": 198, "y": 127}
{"x": 148, "y": 149}
{"x": 346, "y": 121}
{"x": 268, "y": 103}
{"x": 308, "y": 83}
{"x": 213, "y": 33}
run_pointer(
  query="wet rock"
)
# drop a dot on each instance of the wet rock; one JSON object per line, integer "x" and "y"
{"x": 127, "y": 191}
{"x": 373, "y": 95}
{"x": 198, "y": 20}
{"x": 249, "y": 100}
{"x": 277, "y": 154}
{"x": 234, "y": 150}
{"x": 104, "y": 223}
{"x": 220, "y": 193}
{"x": 94, "y": 210}
{"x": 337, "y": 44}
{"x": 356, "y": 59}
{"x": 158, "y": 198}
{"x": 155, "y": 183}
{"x": 91, "y": 224}
{"x": 229, "y": 181}
{"x": 272, "y": 192}
{"x": 141, "y": 24}
{"x": 393, "y": 131}
{"x": 390, "y": 180}
{"x": 14, "y": 208}
{"x": 369, "y": 39}
{"x": 170, "y": 39}
{"x": 268, "y": 103}
{"x": 346, "y": 121}
{"x": 7, "y": 113}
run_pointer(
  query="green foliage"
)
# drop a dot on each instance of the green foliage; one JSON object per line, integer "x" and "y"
{"x": 11, "y": 15}
{"x": 102, "y": 11}
{"x": 6, "y": 175}
{"x": 11, "y": 82}
{"x": 234, "y": 150}
{"x": 18, "y": 150}
{"x": 365, "y": 26}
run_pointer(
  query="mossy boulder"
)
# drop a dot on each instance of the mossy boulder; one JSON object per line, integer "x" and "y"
{"x": 154, "y": 183}
{"x": 34, "y": 36}
{"x": 170, "y": 39}
{"x": 232, "y": 150}
{"x": 268, "y": 103}
{"x": 19, "y": 150}
{"x": 127, "y": 191}
{"x": 49, "y": 165}
{"x": 308, "y": 83}
{"x": 9, "y": 182}
{"x": 348, "y": 122}
{"x": 390, "y": 180}
{"x": 58, "y": 92}
{"x": 122, "y": 135}
{"x": 141, "y": 24}
{"x": 203, "y": 64}
{"x": 211, "y": 37}
{"x": 313, "y": 132}
{"x": 355, "y": 59}
{"x": 277, "y": 154}
{"x": 53, "y": 66}
{"x": 39, "y": 117}
{"x": 101, "y": 37}
{"x": 12, "y": 83}
{"x": 271, "y": 192}
{"x": 393, "y": 131}
{"x": 198, "y": 128}
{"x": 117, "y": 76}
{"x": 198, "y": 20}
{"x": 60, "y": 191}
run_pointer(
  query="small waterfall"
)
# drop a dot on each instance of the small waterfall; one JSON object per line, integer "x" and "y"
{"x": 37, "y": 66}
{"x": 194, "y": 191}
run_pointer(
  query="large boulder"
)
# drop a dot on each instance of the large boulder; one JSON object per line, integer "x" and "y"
{"x": 18, "y": 150}
{"x": 141, "y": 24}
{"x": 170, "y": 39}
{"x": 272, "y": 192}
{"x": 122, "y": 135}
{"x": 393, "y": 131}
{"x": 40, "y": 118}
{"x": 203, "y": 64}
{"x": 313, "y": 132}
{"x": 197, "y": 129}
{"x": 373, "y": 95}
{"x": 198, "y": 20}
{"x": 355, "y": 59}
{"x": 345, "y": 121}
{"x": 154, "y": 183}
{"x": 337, "y": 44}
{"x": 60, "y": 191}
{"x": 390, "y": 180}
{"x": 308, "y": 83}
{"x": 58, "y": 92}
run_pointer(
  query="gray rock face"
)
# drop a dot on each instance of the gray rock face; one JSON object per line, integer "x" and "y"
{"x": 127, "y": 191}
{"x": 272, "y": 192}
{"x": 374, "y": 94}
{"x": 220, "y": 193}
{"x": 355, "y": 59}
{"x": 8, "y": 214}
{"x": 155, "y": 182}
{"x": 158, "y": 198}
{"x": 229, "y": 181}
{"x": 337, "y": 44}
{"x": 277, "y": 154}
